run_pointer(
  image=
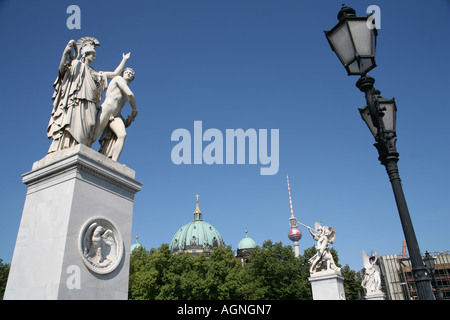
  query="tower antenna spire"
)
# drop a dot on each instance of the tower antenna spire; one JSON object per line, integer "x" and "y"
{"x": 292, "y": 210}
{"x": 290, "y": 199}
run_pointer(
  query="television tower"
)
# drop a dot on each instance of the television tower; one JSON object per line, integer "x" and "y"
{"x": 294, "y": 233}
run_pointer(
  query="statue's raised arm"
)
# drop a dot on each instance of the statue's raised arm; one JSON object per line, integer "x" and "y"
{"x": 120, "y": 67}
{"x": 68, "y": 56}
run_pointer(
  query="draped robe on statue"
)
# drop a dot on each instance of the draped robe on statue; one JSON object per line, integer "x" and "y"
{"x": 78, "y": 91}
{"x": 107, "y": 141}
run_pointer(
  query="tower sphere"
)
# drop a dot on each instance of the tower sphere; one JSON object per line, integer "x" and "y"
{"x": 295, "y": 234}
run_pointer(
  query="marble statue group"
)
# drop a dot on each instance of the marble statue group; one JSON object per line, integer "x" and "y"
{"x": 78, "y": 117}
{"x": 322, "y": 260}
{"x": 77, "y": 217}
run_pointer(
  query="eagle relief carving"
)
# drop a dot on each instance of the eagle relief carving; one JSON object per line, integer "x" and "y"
{"x": 100, "y": 245}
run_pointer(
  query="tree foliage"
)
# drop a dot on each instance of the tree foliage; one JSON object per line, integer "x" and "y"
{"x": 272, "y": 273}
{"x": 4, "y": 271}
{"x": 157, "y": 274}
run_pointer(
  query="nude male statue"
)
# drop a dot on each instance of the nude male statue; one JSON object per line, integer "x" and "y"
{"x": 109, "y": 116}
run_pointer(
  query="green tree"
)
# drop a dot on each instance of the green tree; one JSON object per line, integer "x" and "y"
{"x": 157, "y": 274}
{"x": 352, "y": 286}
{"x": 184, "y": 279}
{"x": 273, "y": 273}
{"x": 4, "y": 272}
{"x": 224, "y": 275}
{"x": 144, "y": 280}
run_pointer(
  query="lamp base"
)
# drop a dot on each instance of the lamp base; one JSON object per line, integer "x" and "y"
{"x": 365, "y": 83}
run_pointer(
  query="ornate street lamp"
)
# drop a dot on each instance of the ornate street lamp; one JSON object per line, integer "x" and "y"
{"x": 429, "y": 262}
{"x": 353, "y": 40}
{"x": 431, "y": 265}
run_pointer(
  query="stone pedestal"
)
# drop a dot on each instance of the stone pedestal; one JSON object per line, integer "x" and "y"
{"x": 327, "y": 285}
{"x": 75, "y": 234}
{"x": 375, "y": 296}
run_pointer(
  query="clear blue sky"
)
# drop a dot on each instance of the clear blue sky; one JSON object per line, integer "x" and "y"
{"x": 260, "y": 64}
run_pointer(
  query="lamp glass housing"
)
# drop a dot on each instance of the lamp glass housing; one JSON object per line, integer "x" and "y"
{"x": 365, "y": 115}
{"x": 389, "y": 109}
{"x": 429, "y": 261}
{"x": 390, "y": 113}
{"x": 354, "y": 42}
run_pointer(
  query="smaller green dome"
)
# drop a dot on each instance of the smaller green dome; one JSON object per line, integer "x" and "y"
{"x": 246, "y": 243}
{"x": 135, "y": 245}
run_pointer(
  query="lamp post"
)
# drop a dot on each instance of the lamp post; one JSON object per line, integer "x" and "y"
{"x": 431, "y": 265}
{"x": 353, "y": 40}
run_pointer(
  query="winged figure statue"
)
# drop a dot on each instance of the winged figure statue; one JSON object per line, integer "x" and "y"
{"x": 372, "y": 278}
{"x": 322, "y": 260}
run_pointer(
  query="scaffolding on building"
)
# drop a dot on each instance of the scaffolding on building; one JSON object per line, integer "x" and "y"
{"x": 398, "y": 282}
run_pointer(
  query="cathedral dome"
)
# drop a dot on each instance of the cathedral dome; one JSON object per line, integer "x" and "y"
{"x": 196, "y": 236}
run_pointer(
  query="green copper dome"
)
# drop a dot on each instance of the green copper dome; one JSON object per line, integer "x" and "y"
{"x": 196, "y": 237}
{"x": 247, "y": 243}
{"x": 135, "y": 245}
